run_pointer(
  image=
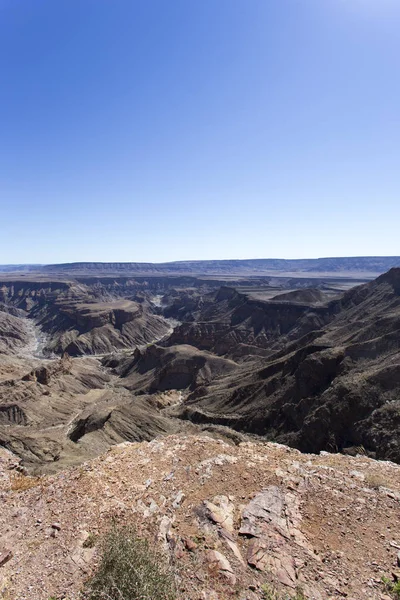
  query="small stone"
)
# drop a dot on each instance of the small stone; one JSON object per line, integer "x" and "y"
{"x": 190, "y": 544}
{"x": 220, "y": 562}
{"x": 56, "y": 526}
{"x": 178, "y": 499}
{"x": 179, "y": 553}
{"x": 5, "y": 556}
{"x": 221, "y": 511}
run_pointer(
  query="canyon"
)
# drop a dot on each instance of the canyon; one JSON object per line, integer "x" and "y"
{"x": 85, "y": 360}
{"x": 100, "y": 364}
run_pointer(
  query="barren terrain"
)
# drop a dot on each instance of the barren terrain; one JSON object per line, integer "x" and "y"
{"x": 229, "y": 519}
{"x": 157, "y": 399}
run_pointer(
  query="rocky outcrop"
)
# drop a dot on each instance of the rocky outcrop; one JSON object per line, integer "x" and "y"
{"x": 14, "y": 333}
{"x": 107, "y": 329}
{"x": 36, "y": 410}
{"x": 304, "y": 296}
{"x": 157, "y": 369}
{"x": 80, "y": 319}
{"x": 255, "y": 518}
{"x": 222, "y": 320}
{"x": 313, "y": 374}
{"x": 334, "y": 389}
{"x": 12, "y": 414}
{"x": 119, "y": 417}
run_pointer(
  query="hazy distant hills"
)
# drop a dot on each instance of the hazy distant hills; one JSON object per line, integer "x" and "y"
{"x": 363, "y": 265}
{"x": 18, "y": 268}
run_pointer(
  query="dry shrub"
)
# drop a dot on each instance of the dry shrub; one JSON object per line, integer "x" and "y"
{"x": 375, "y": 481}
{"x": 269, "y": 592}
{"x": 129, "y": 570}
{"x": 20, "y": 483}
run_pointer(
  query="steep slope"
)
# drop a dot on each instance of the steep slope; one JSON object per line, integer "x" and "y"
{"x": 232, "y": 323}
{"x": 85, "y": 319}
{"x": 157, "y": 369}
{"x": 100, "y": 327}
{"x": 66, "y": 410}
{"x": 15, "y": 333}
{"x": 303, "y": 296}
{"x": 335, "y": 388}
{"x": 311, "y": 373}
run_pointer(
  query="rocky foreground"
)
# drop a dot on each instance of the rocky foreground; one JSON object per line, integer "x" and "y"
{"x": 230, "y": 519}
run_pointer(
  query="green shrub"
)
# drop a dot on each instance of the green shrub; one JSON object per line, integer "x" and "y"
{"x": 268, "y": 592}
{"x": 396, "y": 590}
{"x": 392, "y": 588}
{"x": 129, "y": 570}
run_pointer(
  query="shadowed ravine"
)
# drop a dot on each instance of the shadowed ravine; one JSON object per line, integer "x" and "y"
{"x": 316, "y": 369}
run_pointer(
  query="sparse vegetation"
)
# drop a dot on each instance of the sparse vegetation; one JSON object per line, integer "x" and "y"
{"x": 392, "y": 588}
{"x": 20, "y": 483}
{"x": 269, "y": 592}
{"x": 396, "y": 590}
{"x": 361, "y": 450}
{"x": 129, "y": 570}
{"x": 90, "y": 541}
{"x": 374, "y": 481}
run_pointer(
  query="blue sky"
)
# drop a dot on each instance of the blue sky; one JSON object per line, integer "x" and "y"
{"x": 152, "y": 130}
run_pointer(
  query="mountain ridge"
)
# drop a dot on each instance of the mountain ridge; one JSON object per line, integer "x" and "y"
{"x": 372, "y": 265}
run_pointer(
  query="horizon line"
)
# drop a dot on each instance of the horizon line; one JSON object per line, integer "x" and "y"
{"x": 201, "y": 260}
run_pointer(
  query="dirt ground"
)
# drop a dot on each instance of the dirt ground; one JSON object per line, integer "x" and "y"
{"x": 229, "y": 519}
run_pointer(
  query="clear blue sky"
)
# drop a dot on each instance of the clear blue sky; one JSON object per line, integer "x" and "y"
{"x": 152, "y": 130}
